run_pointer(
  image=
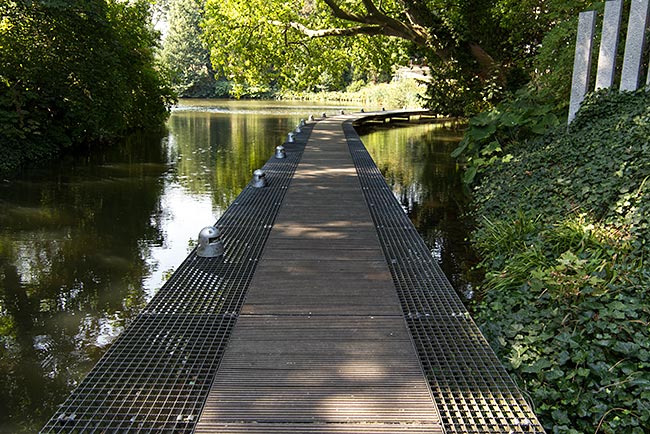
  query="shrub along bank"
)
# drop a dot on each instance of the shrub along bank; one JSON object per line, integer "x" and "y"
{"x": 563, "y": 225}
{"x": 75, "y": 73}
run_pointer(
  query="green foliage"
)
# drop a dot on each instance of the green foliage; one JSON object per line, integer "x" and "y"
{"x": 405, "y": 93}
{"x": 563, "y": 231}
{"x": 546, "y": 33}
{"x": 222, "y": 89}
{"x": 524, "y": 40}
{"x": 478, "y": 51}
{"x": 184, "y": 54}
{"x": 253, "y": 46}
{"x": 553, "y": 63}
{"x": 75, "y": 72}
{"x": 492, "y": 134}
{"x": 456, "y": 92}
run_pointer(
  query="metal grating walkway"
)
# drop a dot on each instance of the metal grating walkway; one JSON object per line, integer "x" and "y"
{"x": 321, "y": 344}
{"x": 470, "y": 386}
{"x": 156, "y": 376}
{"x": 348, "y": 324}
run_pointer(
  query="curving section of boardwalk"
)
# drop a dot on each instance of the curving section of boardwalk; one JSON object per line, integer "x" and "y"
{"x": 321, "y": 344}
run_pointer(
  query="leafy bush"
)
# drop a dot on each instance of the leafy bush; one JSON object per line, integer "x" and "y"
{"x": 75, "y": 72}
{"x": 491, "y": 134}
{"x": 554, "y": 61}
{"x": 454, "y": 91}
{"x": 356, "y": 86}
{"x": 563, "y": 233}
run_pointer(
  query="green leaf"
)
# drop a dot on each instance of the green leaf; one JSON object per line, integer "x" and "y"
{"x": 510, "y": 119}
{"x": 482, "y": 132}
{"x": 627, "y": 348}
{"x": 491, "y": 148}
{"x": 553, "y": 374}
{"x": 563, "y": 357}
{"x": 538, "y": 366}
{"x": 470, "y": 173}
{"x": 460, "y": 149}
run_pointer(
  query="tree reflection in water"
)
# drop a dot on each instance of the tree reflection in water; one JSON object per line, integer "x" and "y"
{"x": 71, "y": 264}
{"x": 416, "y": 163}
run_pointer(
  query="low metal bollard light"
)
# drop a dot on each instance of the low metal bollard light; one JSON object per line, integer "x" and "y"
{"x": 302, "y": 122}
{"x": 311, "y": 117}
{"x": 280, "y": 152}
{"x": 210, "y": 244}
{"x": 324, "y": 115}
{"x": 290, "y": 138}
{"x": 259, "y": 179}
{"x": 298, "y": 130}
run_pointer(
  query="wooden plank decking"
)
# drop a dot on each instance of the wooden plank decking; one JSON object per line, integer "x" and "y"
{"x": 323, "y": 315}
{"x": 321, "y": 344}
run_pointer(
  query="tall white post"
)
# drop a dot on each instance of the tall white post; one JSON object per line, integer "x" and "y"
{"x": 634, "y": 45}
{"x": 609, "y": 44}
{"x": 582, "y": 61}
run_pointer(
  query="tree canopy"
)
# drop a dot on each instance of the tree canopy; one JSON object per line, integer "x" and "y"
{"x": 477, "y": 50}
{"x": 184, "y": 54}
{"x": 261, "y": 42}
{"x": 75, "y": 71}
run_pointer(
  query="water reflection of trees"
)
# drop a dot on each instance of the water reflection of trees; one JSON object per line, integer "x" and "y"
{"x": 218, "y": 152}
{"x": 417, "y": 165}
{"x": 71, "y": 268}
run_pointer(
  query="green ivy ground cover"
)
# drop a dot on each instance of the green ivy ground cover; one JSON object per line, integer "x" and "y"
{"x": 563, "y": 226}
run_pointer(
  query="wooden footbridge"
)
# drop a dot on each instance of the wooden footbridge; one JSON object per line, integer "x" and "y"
{"x": 325, "y": 314}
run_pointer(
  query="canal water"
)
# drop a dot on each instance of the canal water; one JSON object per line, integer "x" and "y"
{"x": 86, "y": 242}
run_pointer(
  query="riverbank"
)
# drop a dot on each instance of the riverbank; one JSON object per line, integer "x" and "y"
{"x": 406, "y": 93}
{"x": 562, "y": 225}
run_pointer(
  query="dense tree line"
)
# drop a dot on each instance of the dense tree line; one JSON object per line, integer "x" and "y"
{"x": 75, "y": 72}
{"x": 84, "y": 71}
{"x": 185, "y": 54}
{"x": 478, "y": 51}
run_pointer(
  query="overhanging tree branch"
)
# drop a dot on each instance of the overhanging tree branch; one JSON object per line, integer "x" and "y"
{"x": 374, "y": 22}
{"x": 340, "y": 13}
{"x": 415, "y": 33}
{"x": 371, "y": 30}
{"x": 418, "y": 24}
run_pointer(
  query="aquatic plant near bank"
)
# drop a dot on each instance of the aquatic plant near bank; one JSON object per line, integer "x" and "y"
{"x": 563, "y": 226}
{"x": 490, "y": 134}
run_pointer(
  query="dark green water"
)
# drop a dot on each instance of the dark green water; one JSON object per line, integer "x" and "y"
{"x": 416, "y": 163}
{"x": 85, "y": 243}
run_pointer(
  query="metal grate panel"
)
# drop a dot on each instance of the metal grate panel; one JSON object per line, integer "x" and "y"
{"x": 156, "y": 376}
{"x": 471, "y": 388}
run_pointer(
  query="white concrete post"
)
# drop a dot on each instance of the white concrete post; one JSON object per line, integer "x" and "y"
{"x": 582, "y": 61}
{"x": 609, "y": 44}
{"x": 634, "y": 45}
